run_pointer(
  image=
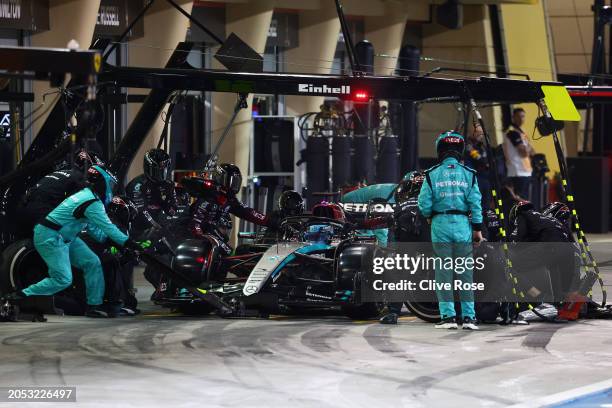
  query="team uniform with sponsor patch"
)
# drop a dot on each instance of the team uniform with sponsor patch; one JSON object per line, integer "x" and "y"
{"x": 358, "y": 199}
{"x": 449, "y": 197}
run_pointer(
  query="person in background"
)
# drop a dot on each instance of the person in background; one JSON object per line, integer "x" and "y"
{"x": 518, "y": 152}
{"x": 476, "y": 158}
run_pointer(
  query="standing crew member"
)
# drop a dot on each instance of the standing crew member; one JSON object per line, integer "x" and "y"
{"x": 448, "y": 197}
{"x": 518, "y": 152}
{"x": 56, "y": 240}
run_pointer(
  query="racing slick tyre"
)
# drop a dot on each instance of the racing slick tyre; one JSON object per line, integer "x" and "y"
{"x": 364, "y": 311}
{"x": 427, "y": 311}
{"x": 21, "y": 266}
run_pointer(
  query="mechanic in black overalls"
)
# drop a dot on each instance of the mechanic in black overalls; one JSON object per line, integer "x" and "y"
{"x": 561, "y": 212}
{"x": 55, "y": 187}
{"x": 152, "y": 192}
{"x": 557, "y": 252}
{"x": 216, "y": 191}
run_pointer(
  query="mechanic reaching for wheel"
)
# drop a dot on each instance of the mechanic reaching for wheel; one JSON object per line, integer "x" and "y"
{"x": 119, "y": 295}
{"x": 528, "y": 225}
{"x": 448, "y": 196}
{"x": 152, "y": 191}
{"x": 56, "y": 240}
{"x": 216, "y": 191}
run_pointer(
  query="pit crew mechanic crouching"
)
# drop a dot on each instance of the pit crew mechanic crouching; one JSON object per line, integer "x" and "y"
{"x": 56, "y": 239}
{"x": 216, "y": 191}
{"x": 448, "y": 196}
{"x": 552, "y": 247}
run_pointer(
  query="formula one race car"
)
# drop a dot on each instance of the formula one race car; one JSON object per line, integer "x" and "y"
{"x": 317, "y": 263}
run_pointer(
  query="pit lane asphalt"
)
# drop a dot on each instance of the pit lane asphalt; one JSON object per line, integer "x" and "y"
{"x": 161, "y": 359}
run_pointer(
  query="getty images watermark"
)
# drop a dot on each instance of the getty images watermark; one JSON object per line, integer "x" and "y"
{"x": 490, "y": 272}
{"x": 406, "y": 264}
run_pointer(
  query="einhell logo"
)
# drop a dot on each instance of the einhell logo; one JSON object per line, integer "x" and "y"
{"x": 310, "y": 88}
{"x": 10, "y": 9}
{"x": 108, "y": 16}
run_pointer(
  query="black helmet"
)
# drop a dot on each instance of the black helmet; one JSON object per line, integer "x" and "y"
{"x": 122, "y": 212}
{"x": 450, "y": 144}
{"x": 227, "y": 176}
{"x": 156, "y": 163}
{"x": 291, "y": 203}
{"x": 102, "y": 182}
{"x": 557, "y": 210}
{"x": 409, "y": 187}
{"x": 519, "y": 207}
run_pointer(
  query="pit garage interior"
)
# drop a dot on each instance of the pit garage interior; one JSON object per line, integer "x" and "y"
{"x": 318, "y": 97}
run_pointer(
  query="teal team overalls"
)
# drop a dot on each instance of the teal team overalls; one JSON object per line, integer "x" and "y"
{"x": 363, "y": 196}
{"x": 449, "y": 194}
{"x": 56, "y": 240}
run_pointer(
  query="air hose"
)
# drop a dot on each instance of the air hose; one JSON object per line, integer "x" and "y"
{"x": 592, "y": 270}
{"x": 498, "y": 208}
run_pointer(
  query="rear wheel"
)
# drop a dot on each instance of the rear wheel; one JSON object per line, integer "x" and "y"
{"x": 21, "y": 266}
{"x": 427, "y": 311}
